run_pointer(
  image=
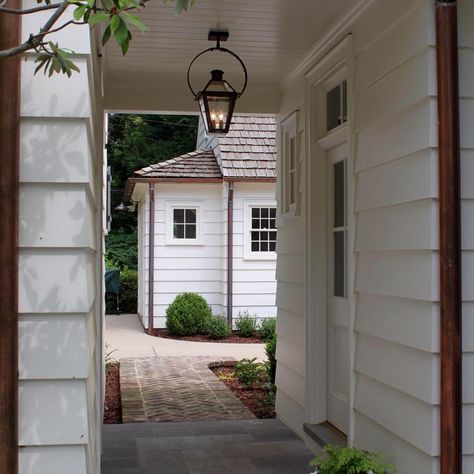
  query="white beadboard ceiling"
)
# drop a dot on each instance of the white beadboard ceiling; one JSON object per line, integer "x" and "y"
{"x": 271, "y": 37}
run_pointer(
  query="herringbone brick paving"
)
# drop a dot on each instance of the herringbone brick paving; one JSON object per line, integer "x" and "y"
{"x": 176, "y": 389}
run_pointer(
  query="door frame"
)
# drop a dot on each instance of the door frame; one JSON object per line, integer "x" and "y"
{"x": 335, "y": 66}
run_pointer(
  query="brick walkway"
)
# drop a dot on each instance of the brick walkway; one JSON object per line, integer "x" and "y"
{"x": 176, "y": 389}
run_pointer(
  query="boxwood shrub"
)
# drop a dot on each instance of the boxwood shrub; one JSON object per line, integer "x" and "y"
{"x": 187, "y": 315}
{"x": 217, "y": 328}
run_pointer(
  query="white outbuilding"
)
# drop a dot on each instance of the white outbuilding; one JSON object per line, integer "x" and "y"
{"x": 214, "y": 228}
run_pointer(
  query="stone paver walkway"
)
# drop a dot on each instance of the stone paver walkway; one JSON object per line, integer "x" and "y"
{"x": 222, "y": 447}
{"x": 176, "y": 389}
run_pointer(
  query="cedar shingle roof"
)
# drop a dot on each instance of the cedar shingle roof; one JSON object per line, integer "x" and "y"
{"x": 197, "y": 164}
{"x": 249, "y": 149}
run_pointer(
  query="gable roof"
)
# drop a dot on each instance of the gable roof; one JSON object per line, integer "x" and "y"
{"x": 249, "y": 149}
{"x": 197, "y": 164}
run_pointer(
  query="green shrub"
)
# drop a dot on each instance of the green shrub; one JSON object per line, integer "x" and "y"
{"x": 270, "y": 349}
{"x": 217, "y": 327}
{"x": 267, "y": 329}
{"x": 248, "y": 372}
{"x": 187, "y": 315}
{"x": 246, "y": 324}
{"x": 339, "y": 460}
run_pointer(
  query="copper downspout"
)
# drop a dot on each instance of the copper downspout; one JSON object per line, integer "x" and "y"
{"x": 9, "y": 187}
{"x": 151, "y": 256}
{"x": 230, "y": 250}
{"x": 450, "y": 237}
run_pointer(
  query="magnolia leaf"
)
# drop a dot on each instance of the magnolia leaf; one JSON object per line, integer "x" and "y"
{"x": 106, "y": 36}
{"x": 79, "y": 12}
{"x": 115, "y": 22}
{"x": 120, "y": 32}
{"x": 99, "y": 17}
{"x": 134, "y": 20}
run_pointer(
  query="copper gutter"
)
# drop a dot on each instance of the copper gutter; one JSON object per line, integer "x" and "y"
{"x": 450, "y": 237}
{"x": 9, "y": 187}
{"x": 151, "y": 256}
{"x": 230, "y": 250}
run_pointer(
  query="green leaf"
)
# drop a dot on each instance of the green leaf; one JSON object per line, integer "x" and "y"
{"x": 79, "y": 12}
{"x": 121, "y": 33}
{"x": 134, "y": 20}
{"x": 98, "y": 18}
{"x": 106, "y": 36}
{"x": 115, "y": 22}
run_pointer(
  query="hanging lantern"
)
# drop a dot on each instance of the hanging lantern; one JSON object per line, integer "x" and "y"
{"x": 217, "y": 99}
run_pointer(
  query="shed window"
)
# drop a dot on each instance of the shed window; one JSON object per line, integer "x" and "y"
{"x": 184, "y": 223}
{"x": 336, "y": 106}
{"x": 263, "y": 232}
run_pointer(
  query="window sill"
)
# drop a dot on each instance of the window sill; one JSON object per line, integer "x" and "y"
{"x": 188, "y": 243}
{"x": 264, "y": 257}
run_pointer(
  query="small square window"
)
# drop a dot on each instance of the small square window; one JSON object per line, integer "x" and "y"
{"x": 184, "y": 223}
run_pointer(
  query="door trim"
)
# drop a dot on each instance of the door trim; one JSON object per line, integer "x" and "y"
{"x": 317, "y": 141}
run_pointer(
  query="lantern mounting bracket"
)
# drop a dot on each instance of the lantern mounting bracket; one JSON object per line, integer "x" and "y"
{"x": 218, "y": 36}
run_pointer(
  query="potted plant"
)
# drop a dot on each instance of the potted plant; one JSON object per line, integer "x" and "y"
{"x": 347, "y": 460}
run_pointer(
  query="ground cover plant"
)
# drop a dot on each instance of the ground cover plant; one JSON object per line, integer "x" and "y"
{"x": 348, "y": 460}
{"x": 248, "y": 380}
{"x": 188, "y": 314}
{"x": 246, "y": 324}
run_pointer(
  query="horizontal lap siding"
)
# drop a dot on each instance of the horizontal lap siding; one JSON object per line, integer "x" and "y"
{"x": 396, "y": 365}
{"x": 59, "y": 304}
{"x": 185, "y": 268}
{"x": 466, "y": 68}
{"x": 260, "y": 274}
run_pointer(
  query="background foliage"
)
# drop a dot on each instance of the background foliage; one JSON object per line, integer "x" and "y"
{"x": 136, "y": 141}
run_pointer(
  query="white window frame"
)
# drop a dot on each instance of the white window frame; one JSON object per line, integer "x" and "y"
{"x": 289, "y": 132}
{"x": 248, "y": 205}
{"x": 170, "y": 206}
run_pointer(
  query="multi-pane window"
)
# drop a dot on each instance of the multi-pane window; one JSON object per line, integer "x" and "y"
{"x": 336, "y": 106}
{"x": 263, "y": 232}
{"x": 184, "y": 223}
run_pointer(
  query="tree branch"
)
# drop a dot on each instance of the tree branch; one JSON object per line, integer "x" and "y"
{"x": 35, "y": 40}
{"x": 14, "y": 11}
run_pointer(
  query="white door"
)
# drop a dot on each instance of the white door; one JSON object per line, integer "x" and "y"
{"x": 337, "y": 319}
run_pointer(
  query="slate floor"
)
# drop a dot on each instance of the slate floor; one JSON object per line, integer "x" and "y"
{"x": 204, "y": 447}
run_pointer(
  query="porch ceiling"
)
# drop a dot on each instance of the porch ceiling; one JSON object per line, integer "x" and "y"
{"x": 271, "y": 36}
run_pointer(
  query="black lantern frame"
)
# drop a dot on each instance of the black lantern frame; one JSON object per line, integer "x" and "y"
{"x": 217, "y": 90}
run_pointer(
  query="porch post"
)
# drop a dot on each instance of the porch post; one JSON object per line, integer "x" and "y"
{"x": 9, "y": 179}
{"x": 151, "y": 256}
{"x": 230, "y": 251}
{"x": 450, "y": 237}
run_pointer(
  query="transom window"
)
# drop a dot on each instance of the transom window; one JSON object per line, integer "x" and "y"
{"x": 263, "y": 232}
{"x": 336, "y": 106}
{"x": 184, "y": 223}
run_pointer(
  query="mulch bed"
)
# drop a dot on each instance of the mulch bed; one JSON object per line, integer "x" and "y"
{"x": 234, "y": 338}
{"x": 113, "y": 401}
{"x": 259, "y": 400}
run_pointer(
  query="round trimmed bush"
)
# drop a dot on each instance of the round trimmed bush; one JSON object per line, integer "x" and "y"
{"x": 187, "y": 315}
{"x": 217, "y": 328}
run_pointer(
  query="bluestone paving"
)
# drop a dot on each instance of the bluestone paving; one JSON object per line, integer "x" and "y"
{"x": 215, "y": 447}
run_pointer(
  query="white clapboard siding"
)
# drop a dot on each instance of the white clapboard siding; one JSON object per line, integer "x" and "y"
{"x": 466, "y": 64}
{"x": 396, "y": 365}
{"x": 60, "y": 305}
{"x": 406, "y": 456}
